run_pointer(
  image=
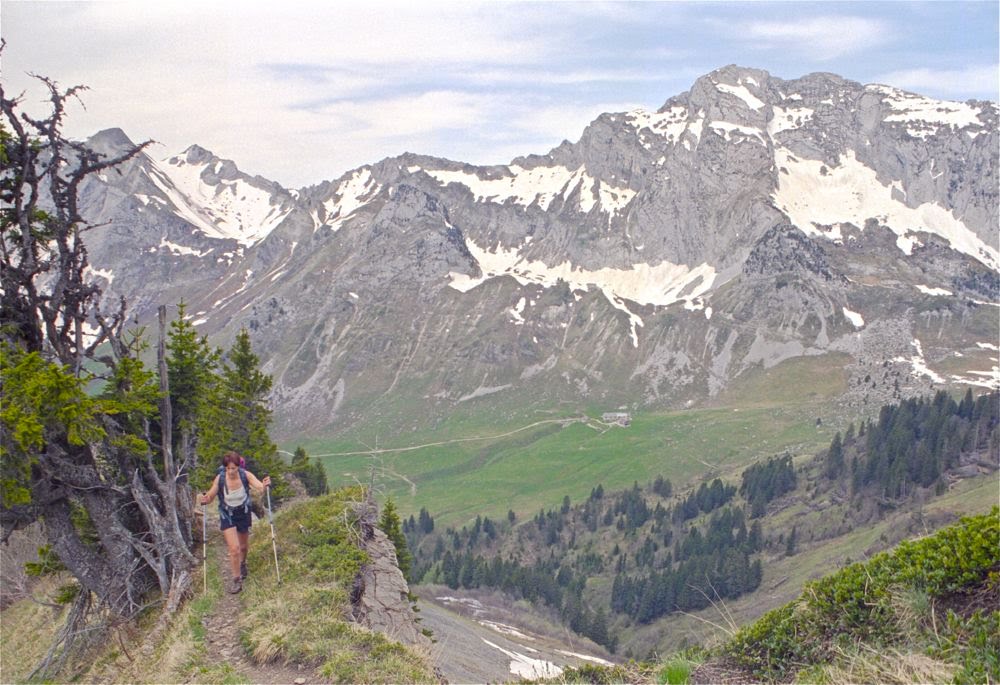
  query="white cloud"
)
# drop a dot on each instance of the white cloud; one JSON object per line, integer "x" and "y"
{"x": 410, "y": 115}
{"x": 303, "y": 91}
{"x": 825, "y": 37}
{"x": 947, "y": 82}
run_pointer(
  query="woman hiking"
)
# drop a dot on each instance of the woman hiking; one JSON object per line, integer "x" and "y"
{"x": 232, "y": 486}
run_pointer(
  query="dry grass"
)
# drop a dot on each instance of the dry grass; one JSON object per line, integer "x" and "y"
{"x": 27, "y": 629}
{"x": 890, "y": 666}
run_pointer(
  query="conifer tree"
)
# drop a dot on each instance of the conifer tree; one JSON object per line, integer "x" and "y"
{"x": 191, "y": 364}
{"x": 310, "y": 472}
{"x": 237, "y": 416}
{"x": 835, "y": 458}
{"x": 389, "y": 524}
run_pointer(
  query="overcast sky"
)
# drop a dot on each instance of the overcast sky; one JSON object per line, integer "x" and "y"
{"x": 301, "y": 92}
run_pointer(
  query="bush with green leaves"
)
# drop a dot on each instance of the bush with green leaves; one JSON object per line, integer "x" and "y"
{"x": 860, "y": 602}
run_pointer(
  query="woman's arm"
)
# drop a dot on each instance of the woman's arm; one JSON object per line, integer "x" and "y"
{"x": 257, "y": 485}
{"x": 212, "y": 491}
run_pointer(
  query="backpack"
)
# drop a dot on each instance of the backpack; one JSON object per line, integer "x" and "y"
{"x": 222, "y": 492}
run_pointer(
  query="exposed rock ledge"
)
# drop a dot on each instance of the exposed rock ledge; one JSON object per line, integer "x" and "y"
{"x": 380, "y": 596}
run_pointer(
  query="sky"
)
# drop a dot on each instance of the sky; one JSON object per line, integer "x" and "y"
{"x": 303, "y": 91}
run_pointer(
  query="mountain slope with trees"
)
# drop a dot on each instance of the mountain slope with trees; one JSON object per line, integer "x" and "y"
{"x": 614, "y": 565}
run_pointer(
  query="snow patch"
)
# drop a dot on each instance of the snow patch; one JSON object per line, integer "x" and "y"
{"x": 182, "y": 249}
{"x": 505, "y": 629}
{"x": 350, "y": 195}
{"x": 852, "y": 193}
{"x": 669, "y": 124}
{"x": 107, "y": 274}
{"x": 926, "y": 290}
{"x": 586, "y": 657}
{"x": 539, "y": 186}
{"x": 919, "y": 364}
{"x": 788, "y": 119}
{"x": 856, "y": 319}
{"x": 232, "y": 208}
{"x": 659, "y": 285}
{"x": 727, "y": 128}
{"x": 741, "y": 91}
{"x": 633, "y": 319}
{"x": 526, "y": 667}
{"x": 518, "y": 310}
{"x": 924, "y": 116}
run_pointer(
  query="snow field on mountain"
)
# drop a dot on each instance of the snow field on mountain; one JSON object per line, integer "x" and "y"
{"x": 851, "y": 193}
{"x": 350, "y": 195}
{"x": 231, "y": 209}
{"x": 659, "y": 285}
{"x": 538, "y": 186}
{"x": 925, "y": 115}
{"x": 670, "y": 124}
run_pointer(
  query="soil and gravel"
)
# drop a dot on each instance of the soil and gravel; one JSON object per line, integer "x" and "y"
{"x": 485, "y": 638}
{"x": 222, "y": 642}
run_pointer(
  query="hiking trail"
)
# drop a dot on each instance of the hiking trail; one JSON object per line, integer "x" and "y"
{"x": 222, "y": 641}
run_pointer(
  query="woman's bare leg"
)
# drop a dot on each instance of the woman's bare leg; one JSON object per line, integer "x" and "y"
{"x": 233, "y": 545}
{"x": 244, "y": 544}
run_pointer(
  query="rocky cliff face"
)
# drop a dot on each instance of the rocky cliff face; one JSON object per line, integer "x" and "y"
{"x": 747, "y": 221}
{"x": 380, "y": 597}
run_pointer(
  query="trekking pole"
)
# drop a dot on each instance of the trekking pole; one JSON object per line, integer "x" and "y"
{"x": 274, "y": 544}
{"x": 204, "y": 544}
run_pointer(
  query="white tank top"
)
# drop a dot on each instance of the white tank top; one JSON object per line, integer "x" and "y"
{"x": 235, "y": 498}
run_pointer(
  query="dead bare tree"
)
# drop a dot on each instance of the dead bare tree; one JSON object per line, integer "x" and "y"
{"x": 98, "y": 471}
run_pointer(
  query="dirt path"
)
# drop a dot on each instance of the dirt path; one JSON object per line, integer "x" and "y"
{"x": 222, "y": 642}
{"x": 396, "y": 450}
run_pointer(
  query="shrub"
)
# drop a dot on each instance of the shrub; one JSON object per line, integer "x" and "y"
{"x": 861, "y": 603}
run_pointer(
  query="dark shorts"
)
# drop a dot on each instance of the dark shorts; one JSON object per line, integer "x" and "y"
{"x": 239, "y": 519}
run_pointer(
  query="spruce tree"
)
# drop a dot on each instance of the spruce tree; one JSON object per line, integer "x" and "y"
{"x": 835, "y": 458}
{"x": 389, "y": 524}
{"x": 237, "y": 416}
{"x": 191, "y": 364}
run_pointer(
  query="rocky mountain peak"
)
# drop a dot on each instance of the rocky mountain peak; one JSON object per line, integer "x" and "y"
{"x": 110, "y": 142}
{"x": 749, "y": 220}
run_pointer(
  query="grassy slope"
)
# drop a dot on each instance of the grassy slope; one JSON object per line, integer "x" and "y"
{"x": 784, "y": 577}
{"x": 303, "y": 621}
{"x": 535, "y": 468}
{"x": 926, "y": 611}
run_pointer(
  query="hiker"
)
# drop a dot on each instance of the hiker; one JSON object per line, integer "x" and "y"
{"x": 232, "y": 486}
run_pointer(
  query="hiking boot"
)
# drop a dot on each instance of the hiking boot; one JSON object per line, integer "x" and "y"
{"x": 237, "y": 586}
{"x": 243, "y": 570}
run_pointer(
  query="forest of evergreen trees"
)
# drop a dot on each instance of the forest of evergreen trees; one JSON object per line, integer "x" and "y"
{"x": 915, "y": 442}
{"x": 681, "y": 551}
{"x": 710, "y": 566}
{"x": 765, "y": 482}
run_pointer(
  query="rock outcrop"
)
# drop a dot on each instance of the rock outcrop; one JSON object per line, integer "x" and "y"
{"x": 380, "y": 597}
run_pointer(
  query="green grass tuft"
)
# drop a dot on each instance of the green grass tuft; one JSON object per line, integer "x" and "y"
{"x": 306, "y": 620}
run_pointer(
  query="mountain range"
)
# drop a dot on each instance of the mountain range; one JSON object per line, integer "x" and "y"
{"x": 748, "y": 221}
